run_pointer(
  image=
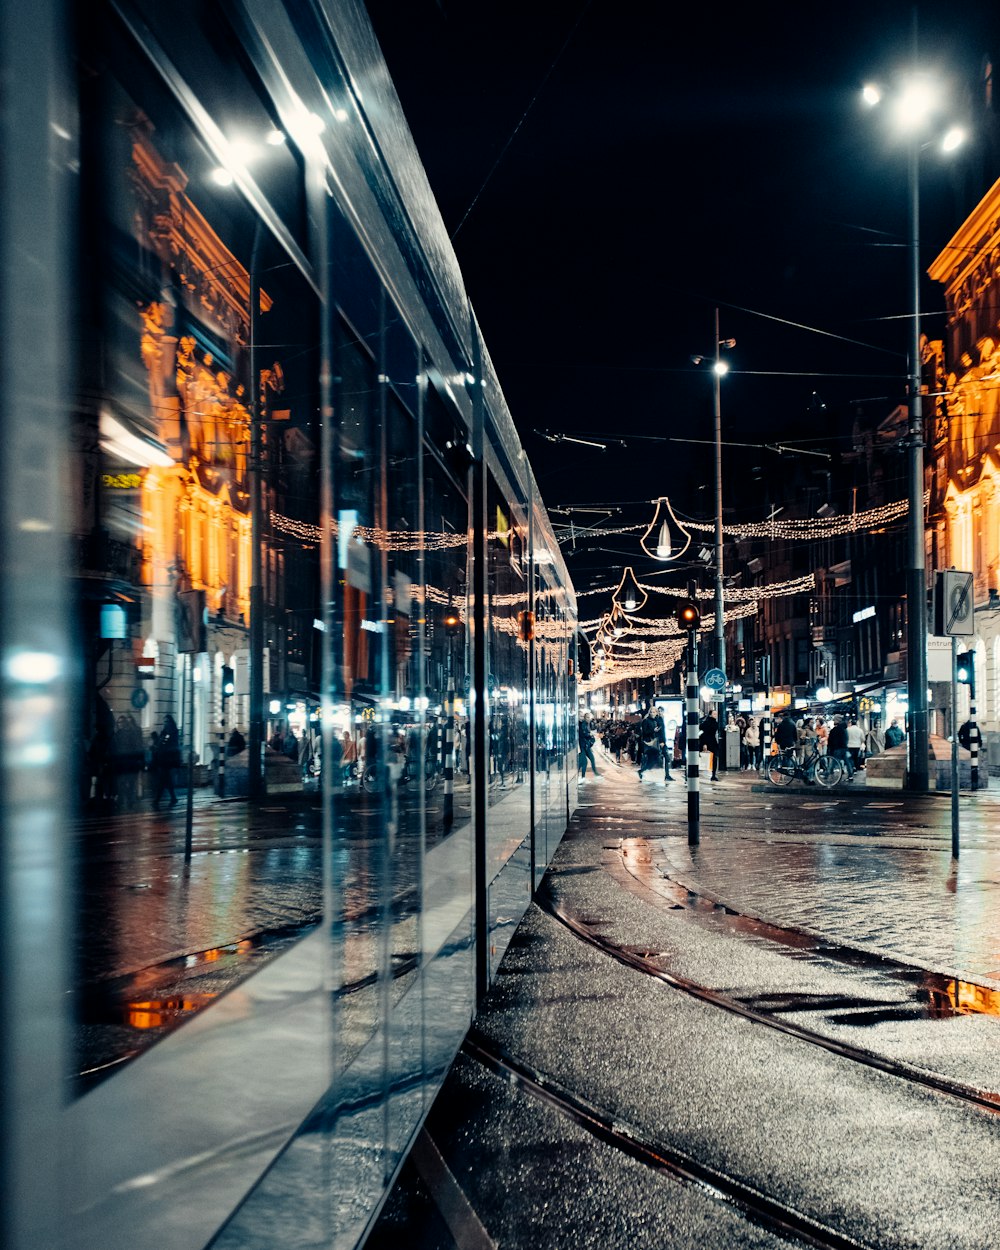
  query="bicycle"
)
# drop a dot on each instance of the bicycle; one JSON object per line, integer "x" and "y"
{"x": 370, "y": 778}
{"x": 784, "y": 768}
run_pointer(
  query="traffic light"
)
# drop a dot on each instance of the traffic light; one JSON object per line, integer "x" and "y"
{"x": 452, "y": 623}
{"x": 965, "y": 668}
{"x": 228, "y": 681}
{"x": 689, "y": 616}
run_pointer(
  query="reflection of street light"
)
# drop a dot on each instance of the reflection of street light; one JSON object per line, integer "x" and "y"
{"x": 915, "y": 104}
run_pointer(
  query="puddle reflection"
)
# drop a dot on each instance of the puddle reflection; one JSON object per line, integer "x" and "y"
{"x": 934, "y": 996}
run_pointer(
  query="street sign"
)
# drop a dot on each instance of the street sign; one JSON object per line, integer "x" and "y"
{"x": 954, "y": 605}
{"x": 715, "y": 679}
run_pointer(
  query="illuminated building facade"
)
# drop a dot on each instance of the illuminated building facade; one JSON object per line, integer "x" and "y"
{"x": 964, "y": 370}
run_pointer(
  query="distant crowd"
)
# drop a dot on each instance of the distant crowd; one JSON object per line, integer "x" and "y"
{"x": 651, "y": 744}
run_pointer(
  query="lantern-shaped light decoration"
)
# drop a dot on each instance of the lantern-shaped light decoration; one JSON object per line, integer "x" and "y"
{"x": 661, "y": 524}
{"x": 630, "y": 595}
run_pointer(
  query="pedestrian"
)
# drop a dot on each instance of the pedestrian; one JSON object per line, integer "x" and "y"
{"x": 236, "y": 743}
{"x": 805, "y": 737}
{"x": 652, "y": 743}
{"x": 129, "y": 757}
{"x": 586, "y": 740}
{"x": 348, "y": 754}
{"x": 836, "y": 745}
{"x": 166, "y": 757}
{"x": 785, "y": 733}
{"x": 855, "y": 743}
{"x": 893, "y": 736}
{"x": 710, "y": 741}
{"x": 822, "y": 733}
{"x": 751, "y": 742}
{"x": 969, "y": 734}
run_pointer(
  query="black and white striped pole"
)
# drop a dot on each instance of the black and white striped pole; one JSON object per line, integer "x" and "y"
{"x": 688, "y": 618}
{"x": 453, "y": 629}
{"x": 765, "y": 722}
{"x": 449, "y": 754}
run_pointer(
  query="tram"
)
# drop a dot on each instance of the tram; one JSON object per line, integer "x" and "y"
{"x": 261, "y": 484}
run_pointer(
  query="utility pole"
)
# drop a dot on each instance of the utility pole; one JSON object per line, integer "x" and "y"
{"x": 720, "y": 620}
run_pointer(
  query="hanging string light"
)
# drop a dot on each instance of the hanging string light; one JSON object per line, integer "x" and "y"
{"x": 790, "y": 529}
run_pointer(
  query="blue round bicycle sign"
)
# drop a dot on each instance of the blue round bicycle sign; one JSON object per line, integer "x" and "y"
{"x": 715, "y": 679}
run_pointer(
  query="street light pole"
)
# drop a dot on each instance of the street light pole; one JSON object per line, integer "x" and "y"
{"x": 255, "y": 739}
{"x": 916, "y": 575}
{"x": 720, "y": 623}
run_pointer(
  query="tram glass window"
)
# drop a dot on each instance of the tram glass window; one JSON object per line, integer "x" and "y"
{"x": 360, "y": 661}
{"x": 199, "y": 39}
{"x": 161, "y": 434}
{"x": 411, "y": 712}
{"x": 447, "y": 572}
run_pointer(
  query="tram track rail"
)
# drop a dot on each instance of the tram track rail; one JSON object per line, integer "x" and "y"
{"x": 751, "y": 1203}
{"x": 986, "y": 1100}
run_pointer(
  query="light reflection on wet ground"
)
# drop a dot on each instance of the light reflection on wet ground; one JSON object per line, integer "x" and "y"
{"x": 824, "y": 883}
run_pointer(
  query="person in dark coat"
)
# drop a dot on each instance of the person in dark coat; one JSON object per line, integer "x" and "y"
{"x": 836, "y": 745}
{"x": 587, "y": 740}
{"x": 970, "y": 733}
{"x": 710, "y": 742}
{"x": 652, "y": 743}
{"x": 129, "y": 758}
{"x": 166, "y": 757}
{"x": 785, "y": 734}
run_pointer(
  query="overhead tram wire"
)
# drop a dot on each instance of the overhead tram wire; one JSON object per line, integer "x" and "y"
{"x": 521, "y": 121}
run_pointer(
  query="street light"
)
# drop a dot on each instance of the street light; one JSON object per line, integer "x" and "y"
{"x": 720, "y": 368}
{"x": 915, "y": 105}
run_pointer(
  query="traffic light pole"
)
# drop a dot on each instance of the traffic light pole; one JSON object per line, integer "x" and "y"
{"x": 220, "y": 776}
{"x": 693, "y": 741}
{"x": 954, "y": 747}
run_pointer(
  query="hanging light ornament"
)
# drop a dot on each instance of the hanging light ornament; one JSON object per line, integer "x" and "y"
{"x": 660, "y": 525}
{"x": 630, "y": 594}
{"x": 618, "y": 622}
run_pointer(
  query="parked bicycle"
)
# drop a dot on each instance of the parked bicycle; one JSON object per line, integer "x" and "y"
{"x": 784, "y": 768}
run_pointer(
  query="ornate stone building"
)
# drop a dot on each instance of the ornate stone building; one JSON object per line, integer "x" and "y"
{"x": 964, "y": 523}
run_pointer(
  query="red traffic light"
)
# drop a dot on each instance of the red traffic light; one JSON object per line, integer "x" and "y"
{"x": 688, "y": 616}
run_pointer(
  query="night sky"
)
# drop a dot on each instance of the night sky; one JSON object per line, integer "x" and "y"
{"x": 612, "y": 172}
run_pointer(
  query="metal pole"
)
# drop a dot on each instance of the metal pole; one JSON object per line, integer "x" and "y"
{"x": 720, "y": 620}
{"x": 189, "y": 815}
{"x": 449, "y": 743}
{"x": 916, "y": 576}
{"x": 693, "y": 741}
{"x": 954, "y": 747}
{"x": 255, "y": 736}
{"x": 221, "y": 776}
{"x": 765, "y": 721}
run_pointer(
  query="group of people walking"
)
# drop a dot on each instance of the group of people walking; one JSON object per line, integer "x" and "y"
{"x": 644, "y": 740}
